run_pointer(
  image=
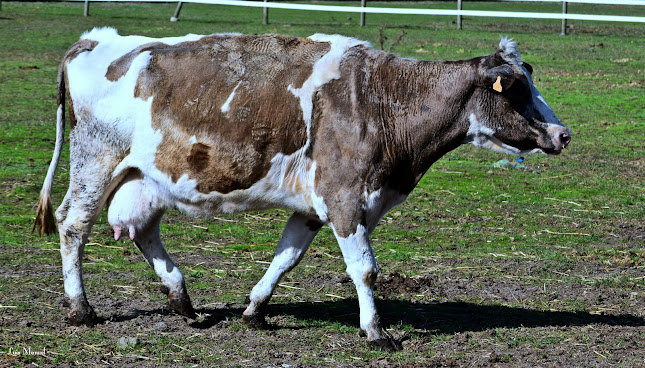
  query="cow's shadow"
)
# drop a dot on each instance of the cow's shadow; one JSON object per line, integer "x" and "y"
{"x": 433, "y": 318}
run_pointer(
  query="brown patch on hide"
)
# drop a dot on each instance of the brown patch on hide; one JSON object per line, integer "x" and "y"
{"x": 119, "y": 67}
{"x": 70, "y": 107}
{"x": 198, "y": 157}
{"x": 231, "y": 164}
{"x": 78, "y": 48}
{"x": 370, "y": 278}
{"x": 191, "y": 81}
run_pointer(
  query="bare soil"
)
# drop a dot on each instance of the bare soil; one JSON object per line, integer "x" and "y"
{"x": 448, "y": 315}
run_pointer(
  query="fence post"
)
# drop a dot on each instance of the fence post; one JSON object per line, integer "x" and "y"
{"x": 363, "y": 3}
{"x": 86, "y": 11}
{"x": 175, "y": 17}
{"x": 563, "y": 32}
{"x": 266, "y": 15}
{"x": 459, "y": 7}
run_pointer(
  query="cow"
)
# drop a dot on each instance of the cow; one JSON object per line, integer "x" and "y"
{"x": 326, "y": 126}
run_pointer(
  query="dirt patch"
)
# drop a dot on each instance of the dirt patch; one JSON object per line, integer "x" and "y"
{"x": 395, "y": 284}
{"x": 491, "y": 314}
{"x": 632, "y": 235}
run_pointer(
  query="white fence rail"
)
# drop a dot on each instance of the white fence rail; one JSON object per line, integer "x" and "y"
{"x": 608, "y": 2}
{"x": 459, "y": 12}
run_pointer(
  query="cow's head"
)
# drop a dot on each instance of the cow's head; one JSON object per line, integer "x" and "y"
{"x": 507, "y": 113}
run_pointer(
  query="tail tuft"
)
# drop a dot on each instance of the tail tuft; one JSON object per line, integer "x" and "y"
{"x": 45, "y": 221}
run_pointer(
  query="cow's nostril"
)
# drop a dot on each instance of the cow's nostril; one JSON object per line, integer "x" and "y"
{"x": 565, "y": 138}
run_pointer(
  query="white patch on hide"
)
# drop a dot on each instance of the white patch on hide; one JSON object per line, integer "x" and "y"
{"x": 477, "y": 131}
{"x": 378, "y": 203}
{"x": 318, "y": 202}
{"x": 226, "y": 106}
{"x": 172, "y": 279}
{"x": 482, "y": 136}
{"x": 360, "y": 262}
{"x": 371, "y": 199}
{"x": 73, "y": 284}
{"x": 111, "y": 35}
{"x": 325, "y": 69}
{"x": 509, "y": 52}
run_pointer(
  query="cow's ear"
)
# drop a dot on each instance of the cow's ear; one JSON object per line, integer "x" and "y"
{"x": 528, "y": 67}
{"x": 499, "y": 78}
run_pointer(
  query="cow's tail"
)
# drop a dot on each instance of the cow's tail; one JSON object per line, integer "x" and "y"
{"x": 45, "y": 222}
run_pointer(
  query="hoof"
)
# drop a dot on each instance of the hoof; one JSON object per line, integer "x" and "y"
{"x": 182, "y": 306}
{"x": 82, "y": 317}
{"x": 385, "y": 343}
{"x": 388, "y": 344}
{"x": 255, "y": 321}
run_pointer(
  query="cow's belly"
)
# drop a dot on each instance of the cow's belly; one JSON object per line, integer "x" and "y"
{"x": 288, "y": 184}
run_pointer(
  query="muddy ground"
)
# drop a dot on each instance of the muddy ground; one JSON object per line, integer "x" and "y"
{"x": 490, "y": 313}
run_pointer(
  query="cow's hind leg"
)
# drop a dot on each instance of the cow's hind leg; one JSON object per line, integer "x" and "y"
{"x": 74, "y": 229}
{"x": 148, "y": 240}
{"x": 296, "y": 237}
{"x": 137, "y": 208}
{"x": 76, "y": 215}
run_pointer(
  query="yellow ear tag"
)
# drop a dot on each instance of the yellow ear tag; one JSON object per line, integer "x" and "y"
{"x": 497, "y": 86}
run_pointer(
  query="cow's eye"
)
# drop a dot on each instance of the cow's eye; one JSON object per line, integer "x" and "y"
{"x": 519, "y": 94}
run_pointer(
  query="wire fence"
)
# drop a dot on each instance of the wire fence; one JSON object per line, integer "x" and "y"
{"x": 459, "y": 12}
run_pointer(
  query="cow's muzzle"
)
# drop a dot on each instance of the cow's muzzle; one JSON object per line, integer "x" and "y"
{"x": 560, "y": 138}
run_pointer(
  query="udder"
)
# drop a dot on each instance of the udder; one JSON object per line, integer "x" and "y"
{"x": 134, "y": 204}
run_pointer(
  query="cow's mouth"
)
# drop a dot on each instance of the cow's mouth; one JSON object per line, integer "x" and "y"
{"x": 551, "y": 151}
{"x": 559, "y": 139}
{"x": 550, "y": 148}
{"x": 550, "y": 142}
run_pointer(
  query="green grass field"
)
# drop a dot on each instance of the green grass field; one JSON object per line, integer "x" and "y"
{"x": 482, "y": 266}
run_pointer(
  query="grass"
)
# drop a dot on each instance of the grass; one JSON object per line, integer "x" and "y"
{"x": 522, "y": 262}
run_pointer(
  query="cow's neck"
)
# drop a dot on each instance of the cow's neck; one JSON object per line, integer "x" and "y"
{"x": 428, "y": 108}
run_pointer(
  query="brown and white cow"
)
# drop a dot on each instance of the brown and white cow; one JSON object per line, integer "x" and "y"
{"x": 325, "y": 126}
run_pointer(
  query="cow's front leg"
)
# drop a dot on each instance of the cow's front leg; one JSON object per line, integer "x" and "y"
{"x": 363, "y": 270}
{"x": 148, "y": 240}
{"x": 296, "y": 237}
